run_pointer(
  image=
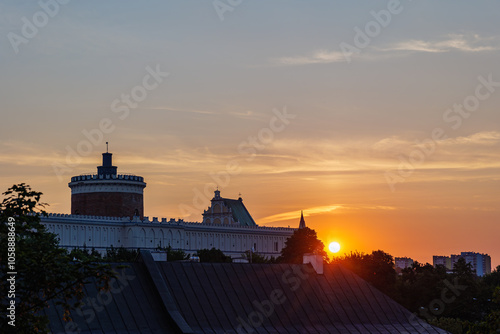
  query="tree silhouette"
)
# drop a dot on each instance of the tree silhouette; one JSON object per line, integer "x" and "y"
{"x": 467, "y": 303}
{"x": 258, "y": 258}
{"x": 301, "y": 242}
{"x": 174, "y": 255}
{"x": 212, "y": 255}
{"x": 44, "y": 270}
{"x": 376, "y": 268}
{"x": 419, "y": 285}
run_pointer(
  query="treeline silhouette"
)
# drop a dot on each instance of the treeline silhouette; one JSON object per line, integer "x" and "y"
{"x": 458, "y": 301}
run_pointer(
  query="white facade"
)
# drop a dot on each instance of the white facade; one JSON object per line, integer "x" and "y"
{"x": 101, "y": 233}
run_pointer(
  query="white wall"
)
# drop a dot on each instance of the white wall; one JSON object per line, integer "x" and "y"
{"x": 103, "y": 232}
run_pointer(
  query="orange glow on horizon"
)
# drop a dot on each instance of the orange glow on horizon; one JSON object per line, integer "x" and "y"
{"x": 356, "y": 233}
{"x": 355, "y": 209}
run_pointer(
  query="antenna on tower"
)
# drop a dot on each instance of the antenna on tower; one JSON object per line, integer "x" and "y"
{"x": 106, "y": 147}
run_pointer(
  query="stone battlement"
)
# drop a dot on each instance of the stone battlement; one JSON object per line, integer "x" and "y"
{"x": 155, "y": 220}
{"x": 97, "y": 177}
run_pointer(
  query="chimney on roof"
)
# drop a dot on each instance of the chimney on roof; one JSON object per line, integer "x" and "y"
{"x": 315, "y": 260}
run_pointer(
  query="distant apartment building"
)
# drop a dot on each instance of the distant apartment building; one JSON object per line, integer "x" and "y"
{"x": 402, "y": 262}
{"x": 481, "y": 263}
{"x": 444, "y": 261}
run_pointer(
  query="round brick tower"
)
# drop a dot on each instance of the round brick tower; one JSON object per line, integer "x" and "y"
{"x": 107, "y": 193}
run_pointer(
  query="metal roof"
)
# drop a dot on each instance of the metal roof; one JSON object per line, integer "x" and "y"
{"x": 184, "y": 297}
{"x": 223, "y": 298}
{"x": 240, "y": 212}
{"x": 131, "y": 306}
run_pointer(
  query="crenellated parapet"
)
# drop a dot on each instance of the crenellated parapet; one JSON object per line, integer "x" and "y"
{"x": 96, "y": 177}
{"x": 65, "y": 216}
{"x": 160, "y": 221}
{"x": 102, "y": 232}
{"x": 107, "y": 193}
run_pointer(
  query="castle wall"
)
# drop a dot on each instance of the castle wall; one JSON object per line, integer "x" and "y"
{"x": 107, "y": 211}
{"x": 103, "y": 232}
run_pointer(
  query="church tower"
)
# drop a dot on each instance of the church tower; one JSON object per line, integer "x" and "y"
{"x": 107, "y": 193}
{"x": 302, "y": 223}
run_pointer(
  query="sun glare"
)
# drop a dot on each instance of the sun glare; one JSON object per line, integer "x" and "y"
{"x": 334, "y": 247}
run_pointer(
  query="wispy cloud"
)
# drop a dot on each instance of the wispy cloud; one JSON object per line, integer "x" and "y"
{"x": 19, "y": 153}
{"x": 183, "y": 110}
{"x": 317, "y": 57}
{"x": 311, "y": 158}
{"x": 451, "y": 42}
{"x": 318, "y": 210}
{"x": 461, "y": 42}
{"x": 474, "y": 143}
{"x": 480, "y": 138}
{"x": 296, "y": 214}
{"x": 249, "y": 115}
{"x": 369, "y": 155}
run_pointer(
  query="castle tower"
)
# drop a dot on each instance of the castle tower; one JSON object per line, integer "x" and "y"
{"x": 107, "y": 193}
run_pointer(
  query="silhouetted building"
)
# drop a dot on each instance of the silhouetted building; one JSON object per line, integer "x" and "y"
{"x": 107, "y": 193}
{"x": 481, "y": 263}
{"x": 403, "y": 262}
{"x": 444, "y": 261}
{"x": 227, "y": 212}
{"x": 107, "y": 210}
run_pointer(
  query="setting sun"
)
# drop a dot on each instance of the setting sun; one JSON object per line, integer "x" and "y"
{"x": 334, "y": 247}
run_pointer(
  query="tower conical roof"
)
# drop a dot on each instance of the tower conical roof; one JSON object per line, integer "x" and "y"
{"x": 302, "y": 221}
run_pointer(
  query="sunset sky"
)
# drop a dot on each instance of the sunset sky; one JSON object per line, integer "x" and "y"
{"x": 379, "y": 119}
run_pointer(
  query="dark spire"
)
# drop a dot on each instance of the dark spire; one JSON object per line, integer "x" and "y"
{"x": 302, "y": 221}
{"x": 107, "y": 167}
